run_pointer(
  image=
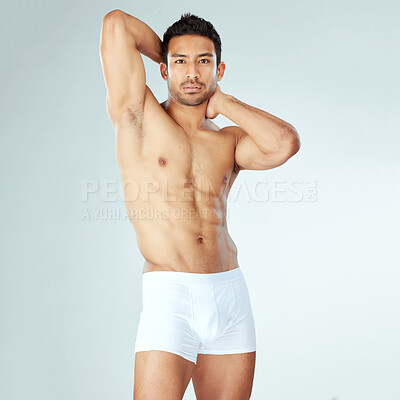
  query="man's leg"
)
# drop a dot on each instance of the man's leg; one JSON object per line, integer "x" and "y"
{"x": 224, "y": 377}
{"x": 226, "y": 363}
{"x": 161, "y": 375}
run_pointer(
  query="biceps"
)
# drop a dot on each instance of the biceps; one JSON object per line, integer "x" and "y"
{"x": 249, "y": 156}
{"x": 122, "y": 64}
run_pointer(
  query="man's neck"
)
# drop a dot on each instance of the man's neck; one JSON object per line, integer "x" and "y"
{"x": 190, "y": 118}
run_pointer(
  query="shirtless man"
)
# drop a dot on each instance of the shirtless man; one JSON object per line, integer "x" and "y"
{"x": 177, "y": 168}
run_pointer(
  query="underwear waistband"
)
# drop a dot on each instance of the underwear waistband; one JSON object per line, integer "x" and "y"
{"x": 195, "y": 277}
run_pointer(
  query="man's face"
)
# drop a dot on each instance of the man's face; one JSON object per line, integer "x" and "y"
{"x": 191, "y": 61}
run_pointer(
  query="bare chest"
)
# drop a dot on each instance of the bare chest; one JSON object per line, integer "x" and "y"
{"x": 202, "y": 161}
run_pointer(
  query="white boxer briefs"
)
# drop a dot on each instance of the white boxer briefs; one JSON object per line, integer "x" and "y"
{"x": 196, "y": 313}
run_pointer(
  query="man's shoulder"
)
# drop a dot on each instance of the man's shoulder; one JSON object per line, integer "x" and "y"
{"x": 235, "y": 131}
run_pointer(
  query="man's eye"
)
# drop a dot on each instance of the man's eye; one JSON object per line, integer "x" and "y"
{"x": 204, "y": 59}
{"x": 177, "y": 61}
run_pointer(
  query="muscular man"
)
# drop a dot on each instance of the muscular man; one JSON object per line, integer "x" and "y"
{"x": 177, "y": 167}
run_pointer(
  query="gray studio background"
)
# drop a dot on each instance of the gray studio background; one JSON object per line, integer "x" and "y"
{"x": 316, "y": 236}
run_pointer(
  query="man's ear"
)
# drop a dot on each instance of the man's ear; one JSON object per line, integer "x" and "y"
{"x": 221, "y": 70}
{"x": 164, "y": 71}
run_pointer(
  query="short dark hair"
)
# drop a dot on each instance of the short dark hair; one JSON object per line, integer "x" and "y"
{"x": 191, "y": 24}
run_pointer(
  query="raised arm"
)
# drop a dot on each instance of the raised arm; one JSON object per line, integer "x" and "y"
{"x": 123, "y": 38}
{"x": 263, "y": 140}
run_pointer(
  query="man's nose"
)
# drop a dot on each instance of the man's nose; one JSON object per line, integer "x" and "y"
{"x": 192, "y": 71}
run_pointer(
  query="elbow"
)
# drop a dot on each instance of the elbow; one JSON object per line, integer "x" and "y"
{"x": 111, "y": 22}
{"x": 114, "y": 14}
{"x": 112, "y": 18}
{"x": 296, "y": 146}
{"x": 294, "y": 142}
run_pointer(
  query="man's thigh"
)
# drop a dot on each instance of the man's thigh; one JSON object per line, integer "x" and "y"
{"x": 161, "y": 375}
{"x": 223, "y": 377}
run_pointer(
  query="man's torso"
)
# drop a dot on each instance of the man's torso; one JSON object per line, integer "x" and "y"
{"x": 176, "y": 185}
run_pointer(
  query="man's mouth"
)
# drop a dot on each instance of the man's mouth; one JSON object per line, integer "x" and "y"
{"x": 192, "y": 88}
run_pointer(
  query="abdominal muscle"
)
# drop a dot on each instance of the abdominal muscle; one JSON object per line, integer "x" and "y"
{"x": 186, "y": 236}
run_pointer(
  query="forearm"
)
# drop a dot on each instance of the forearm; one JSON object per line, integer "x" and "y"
{"x": 270, "y": 133}
{"x": 146, "y": 40}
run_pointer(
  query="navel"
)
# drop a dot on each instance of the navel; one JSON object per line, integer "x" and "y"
{"x": 200, "y": 239}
